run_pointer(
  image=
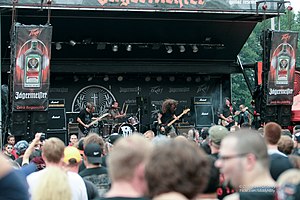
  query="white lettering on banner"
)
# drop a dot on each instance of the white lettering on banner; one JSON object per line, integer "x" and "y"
{"x": 156, "y": 89}
{"x": 280, "y": 91}
{"x": 177, "y": 90}
{"x": 31, "y": 95}
{"x": 126, "y": 90}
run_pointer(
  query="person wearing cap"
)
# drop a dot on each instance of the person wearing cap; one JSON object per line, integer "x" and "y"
{"x": 94, "y": 172}
{"x": 21, "y": 147}
{"x": 72, "y": 159}
{"x": 216, "y": 135}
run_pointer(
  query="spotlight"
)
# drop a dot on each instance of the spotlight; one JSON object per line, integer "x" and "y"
{"x": 115, "y": 48}
{"x": 76, "y": 79}
{"x": 181, "y": 49}
{"x": 156, "y": 46}
{"x": 129, "y": 47}
{"x": 106, "y": 78}
{"x": 169, "y": 49}
{"x": 188, "y": 79}
{"x": 72, "y": 43}
{"x": 172, "y": 78}
{"x": 101, "y": 46}
{"x": 58, "y": 46}
{"x": 198, "y": 79}
{"x": 195, "y": 48}
{"x": 147, "y": 78}
{"x": 90, "y": 78}
{"x": 159, "y": 79}
{"x": 87, "y": 41}
{"x": 120, "y": 78}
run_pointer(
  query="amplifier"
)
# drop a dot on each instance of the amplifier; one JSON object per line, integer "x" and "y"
{"x": 202, "y": 100}
{"x": 56, "y": 103}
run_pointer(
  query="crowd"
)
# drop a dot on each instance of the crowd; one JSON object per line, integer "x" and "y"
{"x": 214, "y": 163}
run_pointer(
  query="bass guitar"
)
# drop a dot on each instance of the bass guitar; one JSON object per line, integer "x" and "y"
{"x": 167, "y": 127}
{"x": 87, "y": 129}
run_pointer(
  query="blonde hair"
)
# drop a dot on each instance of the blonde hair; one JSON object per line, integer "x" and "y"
{"x": 53, "y": 185}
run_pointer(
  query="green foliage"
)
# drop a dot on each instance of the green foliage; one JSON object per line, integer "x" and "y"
{"x": 252, "y": 53}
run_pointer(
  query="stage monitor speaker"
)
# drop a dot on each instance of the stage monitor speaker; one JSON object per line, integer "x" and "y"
{"x": 19, "y": 123}
{"x": 183, "y": 129}
{"x": 284, "y": 115}
{"x": 202, "y": 100}
{"x": 39, "y": 122}
{"x": 62, "y": 135}
{"x": 204, "y": 115}
{"x": 57, "y": 119}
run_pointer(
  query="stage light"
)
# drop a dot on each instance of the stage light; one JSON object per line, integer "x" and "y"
{"x": 181, "y": 49}
{"x": 188, "y": 79}
{"x": 198, "y": 79}
{"x": 169, "y": 49}
{"x": 155, "y": 46}
{"x": 76, "y": 79}
{"x": 115, "y": 48}
{"x": 101, "y": 46}
{"x": 87, "y": 41}
{"x": 58, "y": 46}
{"x": 106, "y": 78}
{"x": 264, "y": 7}
{"x": 72, "y": 43}
{"x": 90, "y": 78}
{"x": 195, "y": 48}
{"x": 120, "y": 78}
{"x": 129, "y": 47}
{"x": 159, "y": 79}
{"x": 147, "y": 78}
{"x": 172, "y": 78}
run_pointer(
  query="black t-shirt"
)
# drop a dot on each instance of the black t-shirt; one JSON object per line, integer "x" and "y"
{"x": 226, "y": 111}
{"x": 258, "y": 193}
{"x": 167, "y": 117}
{"x": 85, "y": 117}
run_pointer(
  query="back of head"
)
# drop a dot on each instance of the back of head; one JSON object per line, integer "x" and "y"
{"x": 127, "y": 154}
{"x": 53, "y": 150}
{"x": 272, "y": 133}
{"x": 285, "y": 144}
{"x": 53, "y": 185}
{"x": 250, "y": 141}
{"x": 177, "y": 166}
{"x": 94, "y": 138}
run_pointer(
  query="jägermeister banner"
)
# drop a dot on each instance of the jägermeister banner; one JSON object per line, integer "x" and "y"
{"x": 163, "y": 5}
{"x": 31, "y": 52}
{"x": 282, "y": 68}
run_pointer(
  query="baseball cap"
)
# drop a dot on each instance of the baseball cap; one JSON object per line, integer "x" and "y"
{"x": 297, "y": 137}
{"x": 114, "y": 137}
{"x": 71, "y": 153}
{"x": 93, "y": 153}
{"x": 21, "y": 146}
{"x": 217, "y": 133}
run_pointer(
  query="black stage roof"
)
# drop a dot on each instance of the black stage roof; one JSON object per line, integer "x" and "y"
{"x": 219, "y": 37}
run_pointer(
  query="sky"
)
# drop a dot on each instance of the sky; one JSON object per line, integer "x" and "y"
{"x": 296, "y": 5}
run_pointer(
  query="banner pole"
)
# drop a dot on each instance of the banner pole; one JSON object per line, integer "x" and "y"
{"x": 1, "y": 136}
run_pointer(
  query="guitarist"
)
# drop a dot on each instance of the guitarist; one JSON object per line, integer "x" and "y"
{"x": 85, "y": 118}
{"x": 166, "y": 115}
{"x": 227, "y": 114}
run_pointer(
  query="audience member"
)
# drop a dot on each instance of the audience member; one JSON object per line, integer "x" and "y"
{"x": 12, "y": 141}
{"x": 279, "y": 162}
{"x": 288, "y": 185}
{"x": 177, "y": 170}
{"x": 149, "y": 135}
{"x": 126, "y": 165}
{"x": 7, "y": 151}
{"x": 296, "y": 150}
{"x": 285, "y": 144}
{"x": 53, "y": 185}
{"x": 21, "y": 147}
{"x": 295, "y": 160}
{"x": 73, "y": 139}
{"x": 216, "y": 135}
{"x": 243, "y": 159}
{"x": 52, "y": 154}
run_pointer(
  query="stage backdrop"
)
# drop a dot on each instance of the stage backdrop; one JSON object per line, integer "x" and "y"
{"x": 282, "y": 68}
{"x": 31, "y": 52}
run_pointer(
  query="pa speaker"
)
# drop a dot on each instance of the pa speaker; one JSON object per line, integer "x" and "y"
{"x": 57, "y": 119}
{"x": 39, "y": 122}
{"x": 19, "y": 123}
{"x": 284, "y": 115}
{"x": 204, "y": 115}
{"x": 62, "y": 135}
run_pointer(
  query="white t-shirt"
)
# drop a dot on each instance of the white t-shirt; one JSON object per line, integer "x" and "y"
{"x": 77, "y": 185}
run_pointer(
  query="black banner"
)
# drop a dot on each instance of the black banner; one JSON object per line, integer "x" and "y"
{"x": 282, "y": 68}
{"x": 31, "y": 52}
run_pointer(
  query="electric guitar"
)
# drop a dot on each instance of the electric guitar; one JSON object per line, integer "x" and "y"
{"x": 87, "y": 129}
{"x": 167, "y": 127}
{"x": 230, "y": 118}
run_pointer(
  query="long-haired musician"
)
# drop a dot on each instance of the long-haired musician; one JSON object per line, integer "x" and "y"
{"x": 166, "y": 115}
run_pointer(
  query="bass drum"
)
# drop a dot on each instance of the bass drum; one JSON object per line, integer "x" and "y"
{"x": 126, "y": 130}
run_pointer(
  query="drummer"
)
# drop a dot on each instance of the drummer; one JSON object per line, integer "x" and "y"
{"x": 115, "y": 114}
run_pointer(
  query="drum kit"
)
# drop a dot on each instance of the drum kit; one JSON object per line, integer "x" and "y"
{"x": 127, "y": 128}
